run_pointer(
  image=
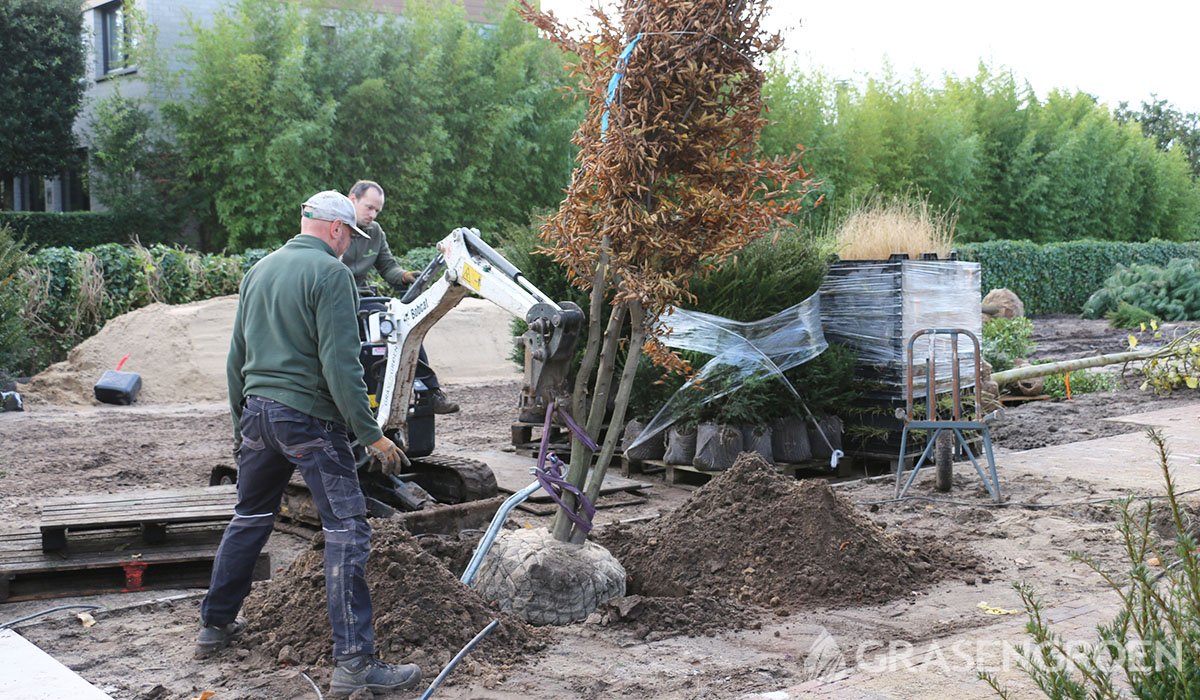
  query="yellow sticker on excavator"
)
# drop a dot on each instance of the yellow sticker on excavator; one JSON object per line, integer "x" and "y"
{"x": 471, "y": 277}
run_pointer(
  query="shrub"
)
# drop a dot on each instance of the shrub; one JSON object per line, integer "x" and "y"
{"x": 67, "y": 295}
{"x": 1060, "y": 277}
{"x": 1127, "y": 315}
{"x": 124, "y": 278}
{"x": 16, "y": 347}
{"x": 1171, "y": 293}
{"x": 1082, "y": 382}
{"x": 219, "y": 275}
{"x": 1006, "y": 340}
{"x": 173, "y": 277}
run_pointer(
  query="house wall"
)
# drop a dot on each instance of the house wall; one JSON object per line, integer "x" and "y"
{"x": 171, "y": 18}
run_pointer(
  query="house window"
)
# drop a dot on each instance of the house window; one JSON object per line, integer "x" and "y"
{"x": 114, "y": 38}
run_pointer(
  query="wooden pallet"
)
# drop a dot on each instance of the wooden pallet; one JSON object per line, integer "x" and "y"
{"x": 150, "y": 512}
{"x": 102, "y": 563}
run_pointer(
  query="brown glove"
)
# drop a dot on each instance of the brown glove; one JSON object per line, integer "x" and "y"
{"x": 388, "y": 455}
{"x": 410, "y": 276}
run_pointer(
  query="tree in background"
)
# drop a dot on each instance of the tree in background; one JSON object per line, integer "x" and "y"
{"x": 1011, "y": 166}
{"x": 41, "y": 64}
{"x": 1170, "y": 128}
{"x": 461, "y": 127}
{"x": 138, "y": 171}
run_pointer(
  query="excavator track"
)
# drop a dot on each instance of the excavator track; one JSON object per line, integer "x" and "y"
{"x": 465, "y": 490}
{"x": 454, "y": 479}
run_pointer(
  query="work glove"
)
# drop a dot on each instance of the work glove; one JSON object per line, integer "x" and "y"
{"x": 388, "y": 456}
{"x": 409, "y": 276}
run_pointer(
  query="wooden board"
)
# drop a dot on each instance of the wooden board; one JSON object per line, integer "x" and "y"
{"x": 132, "y": 507}
{"x": 151, "y": 511}
{"x": 102, "y": 563}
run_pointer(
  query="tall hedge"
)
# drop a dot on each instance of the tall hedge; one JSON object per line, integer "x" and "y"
{"x": 1059, "y": 277}
{"x": 78, "y": 229}
{"x": 54, "y": 299}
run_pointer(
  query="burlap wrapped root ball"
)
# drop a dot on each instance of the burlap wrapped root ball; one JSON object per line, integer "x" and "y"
{"x": 546, "y": 582}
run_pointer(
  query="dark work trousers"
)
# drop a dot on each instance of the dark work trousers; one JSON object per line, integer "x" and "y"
{"x": 275, "y": 440}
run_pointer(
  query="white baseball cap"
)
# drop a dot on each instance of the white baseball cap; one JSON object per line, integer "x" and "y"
{"x": 332, "y": 205}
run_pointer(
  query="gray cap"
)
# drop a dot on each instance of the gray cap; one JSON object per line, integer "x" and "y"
{"x": 332, "y": 205}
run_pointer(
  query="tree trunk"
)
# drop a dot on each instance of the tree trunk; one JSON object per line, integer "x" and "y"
{"x": 1013, "y": 375}
{"x": 637, "y": 319}
{"x": 581, "y": 456}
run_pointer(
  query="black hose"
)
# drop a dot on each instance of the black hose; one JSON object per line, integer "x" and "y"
{"x": 10, "y": 623}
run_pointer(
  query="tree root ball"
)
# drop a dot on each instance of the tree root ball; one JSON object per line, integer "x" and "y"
{"x": 546, "y": 582}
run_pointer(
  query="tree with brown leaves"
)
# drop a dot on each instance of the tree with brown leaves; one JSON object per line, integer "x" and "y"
{"x": 669, "y": 183}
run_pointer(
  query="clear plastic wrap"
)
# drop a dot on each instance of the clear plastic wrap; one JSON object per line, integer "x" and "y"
{"x": 740, "y": 350}
{"x": 875, "y": 307}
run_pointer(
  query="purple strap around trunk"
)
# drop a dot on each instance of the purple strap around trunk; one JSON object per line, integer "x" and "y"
{"x": 551, "y": 477}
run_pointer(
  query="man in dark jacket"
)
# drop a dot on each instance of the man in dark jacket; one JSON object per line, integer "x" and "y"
{"x": 373, "y": 253}
{"x": 295, "y": 387}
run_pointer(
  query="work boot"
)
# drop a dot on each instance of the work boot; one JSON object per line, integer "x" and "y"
{"x": 214, "y": 638}
{"x": 368, "y": 672}
{"x": 441, "y": 404}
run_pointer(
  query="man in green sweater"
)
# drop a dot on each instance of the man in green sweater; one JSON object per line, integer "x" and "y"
{"x": 373, "y": 253}
{"x": 295, "y": 391}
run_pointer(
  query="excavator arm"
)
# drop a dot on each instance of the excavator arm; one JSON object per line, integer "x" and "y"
{"x": 467, "y": 264}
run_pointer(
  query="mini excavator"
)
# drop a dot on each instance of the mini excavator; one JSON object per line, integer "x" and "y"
{"x": 440, "y": 493}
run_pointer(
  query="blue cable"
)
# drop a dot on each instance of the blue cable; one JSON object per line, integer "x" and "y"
{"x": 615, "y": 81}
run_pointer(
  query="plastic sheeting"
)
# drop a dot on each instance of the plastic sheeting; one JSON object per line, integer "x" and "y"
{"x": 875, "y": 307}
{"x": 741, "y": 351}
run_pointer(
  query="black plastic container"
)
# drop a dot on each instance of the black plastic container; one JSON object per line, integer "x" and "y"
{"x": 119, "y": 388}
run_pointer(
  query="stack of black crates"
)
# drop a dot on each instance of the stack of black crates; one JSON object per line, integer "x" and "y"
{"x": 874, "y": 307}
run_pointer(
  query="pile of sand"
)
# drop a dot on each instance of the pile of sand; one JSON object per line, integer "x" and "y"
{"x": 423, "y": 613}
{"x": 180, "y": 351}
{"x": 755, "y": 536}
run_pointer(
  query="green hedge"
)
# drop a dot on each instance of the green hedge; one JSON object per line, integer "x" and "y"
{"x": 1059, "y": 277}
{"x": 77, "y": 229}
{"x": 72, "y": 293}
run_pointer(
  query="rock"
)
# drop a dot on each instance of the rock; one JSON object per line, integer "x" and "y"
{"x": 1002, "y": 303}
{"x": 287, "y": 656}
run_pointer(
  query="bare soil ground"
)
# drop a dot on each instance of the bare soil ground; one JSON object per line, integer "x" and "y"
{"x": 676, "y": 636}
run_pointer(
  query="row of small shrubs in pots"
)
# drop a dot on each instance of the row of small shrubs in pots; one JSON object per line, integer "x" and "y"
{"x": 761, "y": 416}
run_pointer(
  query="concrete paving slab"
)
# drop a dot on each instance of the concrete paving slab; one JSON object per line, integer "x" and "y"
{"x": 31, "y": 674}
{"x": 1122, "y": 462}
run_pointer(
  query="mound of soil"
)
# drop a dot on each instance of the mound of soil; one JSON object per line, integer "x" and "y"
{"x": 657, "y": 617}
{"x": 179, "y": 351}
{"x": 756, "y": 536}
{"x": 423, "y": 614}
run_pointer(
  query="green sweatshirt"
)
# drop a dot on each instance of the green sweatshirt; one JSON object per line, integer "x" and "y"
{"x": 362, "y": 255}
{"x": 295, "y": 338}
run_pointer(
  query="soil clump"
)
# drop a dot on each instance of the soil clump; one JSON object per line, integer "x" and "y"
{"x": 755, "y": 536}
{"x": 423, "y": 614}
